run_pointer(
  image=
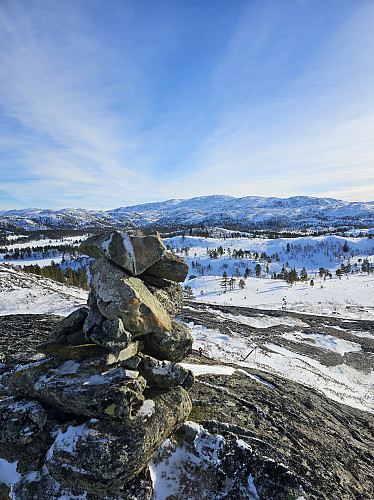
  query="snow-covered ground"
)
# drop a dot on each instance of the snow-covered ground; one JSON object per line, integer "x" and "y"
{"x": 341, "y": 383}
{"x": 350, "y": 297}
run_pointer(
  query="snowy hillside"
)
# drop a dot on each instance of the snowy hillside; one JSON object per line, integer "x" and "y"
{"x": 254, "y": 262}
{"x": 248, "y": 212}
{"x": 22, "y": 293}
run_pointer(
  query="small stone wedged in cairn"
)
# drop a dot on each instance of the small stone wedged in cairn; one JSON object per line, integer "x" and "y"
{"x": 170, "y": 267}
{"x": 109, "y": 384}
{"x": 111, "y": 335}
{"x": 165, "y": 374}
{"x": 71, "y": 324}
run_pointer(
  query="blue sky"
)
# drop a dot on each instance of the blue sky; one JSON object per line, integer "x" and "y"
{"x": 112, "y": 103}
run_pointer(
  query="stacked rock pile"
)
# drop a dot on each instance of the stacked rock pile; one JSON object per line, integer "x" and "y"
{"x": 108, "y": 391}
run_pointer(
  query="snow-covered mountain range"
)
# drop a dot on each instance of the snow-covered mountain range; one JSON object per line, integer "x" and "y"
{"x": 251, "y": 212}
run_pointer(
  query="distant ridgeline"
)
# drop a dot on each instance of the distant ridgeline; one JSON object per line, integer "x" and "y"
{"x": 250, "y": 213}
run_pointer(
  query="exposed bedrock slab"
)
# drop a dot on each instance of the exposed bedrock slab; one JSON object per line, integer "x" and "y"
{"x": 133, "y": 253}
{"x": 99, "y": 457}
{"x": 170, "y": 267}
{"x": 165, "y": 374}
{"x": 80, "y": 388}
{"x": 125, "y": 297}
{"x": 172, "y": 345}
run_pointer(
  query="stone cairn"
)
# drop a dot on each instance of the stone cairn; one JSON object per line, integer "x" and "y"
{"x": 94, "y": 410}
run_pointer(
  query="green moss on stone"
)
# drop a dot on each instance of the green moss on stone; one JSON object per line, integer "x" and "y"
{"x": 110, "y": 410}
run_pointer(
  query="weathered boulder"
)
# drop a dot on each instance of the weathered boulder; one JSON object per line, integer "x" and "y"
{"x": 71, "y": 324}
{"x": 170, "y": 267}
{"x": 81, "y": 389}
{"x": 125, "y": 297}
{"x": 25, "y": 434}
{"x": 172, "y": 345}
{"x": 99, "y": 457}
{"x": 111, "y": 335}
{"x": 133, "y": 253}
{"x": 165, "y": 374}
{"x": 29, "y": 456}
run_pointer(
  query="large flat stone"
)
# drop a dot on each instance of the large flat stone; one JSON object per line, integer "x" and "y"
{"x": 132, "y": 252}
{"x": 79, "y": 389}
{"x": 88, "y": 351}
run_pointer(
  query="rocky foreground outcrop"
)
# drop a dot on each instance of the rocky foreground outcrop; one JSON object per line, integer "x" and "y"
{"x": 250, "y": 434}
{"x": 107, "y": 390}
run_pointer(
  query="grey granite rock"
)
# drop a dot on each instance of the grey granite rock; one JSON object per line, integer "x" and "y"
{"x": 71, "y": 324}
{"x": 81, "y": 389}
{"x": 20, "y": 420}
{"x": 165, "y": 374}
{"x": 111, "y": 335}
{"x": 170, "y": 267}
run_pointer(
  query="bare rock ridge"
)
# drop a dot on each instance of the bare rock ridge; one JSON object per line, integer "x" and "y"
{"x": 107, "y": 389}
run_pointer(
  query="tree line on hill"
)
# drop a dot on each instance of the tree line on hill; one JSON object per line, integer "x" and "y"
{"x": 67, "y": 276}
{"x": 40, "y": 252}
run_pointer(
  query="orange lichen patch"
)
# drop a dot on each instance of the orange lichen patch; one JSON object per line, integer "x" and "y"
{"x": 20, "y": 371}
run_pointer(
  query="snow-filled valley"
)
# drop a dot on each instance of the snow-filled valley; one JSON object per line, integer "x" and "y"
{"x": 253, "y": 265}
